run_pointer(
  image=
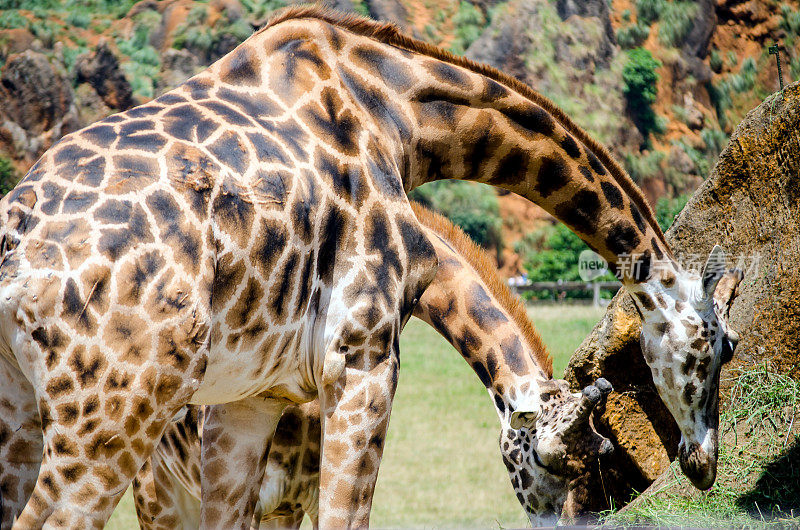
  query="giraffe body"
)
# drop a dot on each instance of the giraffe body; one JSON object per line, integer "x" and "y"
{"x": 135, "y": 251}
{"x": 473, "y": 309}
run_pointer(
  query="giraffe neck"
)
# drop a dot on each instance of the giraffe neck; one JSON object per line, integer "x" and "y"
{"x": 438, "y": 116}
{"x": 476, "y": 313}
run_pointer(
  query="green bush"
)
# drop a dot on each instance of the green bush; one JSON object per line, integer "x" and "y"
{"x": 648, "y": 11}
{"x": 12, "y": 20}
{"x": 210, "y": 42}
{"x": 46, "y": 31}
{"x": 645, "y": 166}
{"x": 469, "y": 205}
{"x": 469, "y": 23}
{"x": 8, "y": 175}
{"x": 676, "y": 21}
{"x": 557, "y": 259}
{"x": 70, "y": 55}
{"x": 258, "y": 9}
{"x": 115, "y": 8}
{"x": 715, "y": 61}
{"x": 79, "y": 18}
{"x": 667, "y": 209}
{"x": 640, "y": 78}
{"x": 632, "y": 36}
{"x": 790, "y": 20}
{"x": 745, "y": 80}
{"x": 29, "y": 4}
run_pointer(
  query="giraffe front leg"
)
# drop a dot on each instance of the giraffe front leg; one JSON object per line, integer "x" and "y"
{"x": 161, "y": 501}
{"x": 20, "y": 442}
{"x": 356, "y": 409}
{"x": 236, "y": 437}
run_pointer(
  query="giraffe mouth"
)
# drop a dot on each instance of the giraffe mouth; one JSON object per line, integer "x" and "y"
{"x": 698, "y": 464}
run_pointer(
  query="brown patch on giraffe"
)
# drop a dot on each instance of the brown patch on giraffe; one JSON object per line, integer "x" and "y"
{"x": 128, "y": 333}
{"x": 67, "y": 413}
{"x": 72, "y": 473}
{"x": 332, "y": 122}
{"x": 486, "y": 270}
{"x": 134, "y": 276}
{"x": 646, "y": 301}
{"x": 59, "y": 385}
{"x": 190, "y": 167}
{"x": 131, "y": 173}
{"x": 44, "y": 255}
{"x": 242, "y": 67}
{"x": 87, "y": 366}
{"x": 71, "y": 237}
{"x": 280, "y": 294}
{"x": 270, "y": 241}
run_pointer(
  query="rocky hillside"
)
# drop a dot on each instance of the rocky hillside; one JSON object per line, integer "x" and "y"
{"x": 661, "y": 82}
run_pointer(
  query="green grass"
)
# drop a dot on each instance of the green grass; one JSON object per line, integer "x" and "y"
{"x": 442, "y": 466}
{"x": 758, "y": 476}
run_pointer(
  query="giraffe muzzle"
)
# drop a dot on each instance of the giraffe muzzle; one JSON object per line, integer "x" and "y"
{"x": 698, "y": 464}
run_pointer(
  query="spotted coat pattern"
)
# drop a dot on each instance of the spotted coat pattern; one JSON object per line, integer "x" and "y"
{"x": 232, "y": 239}
{"x": 480, "y": 317}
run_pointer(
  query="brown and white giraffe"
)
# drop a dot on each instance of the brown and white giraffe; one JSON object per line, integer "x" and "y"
{"x": 465, "y": 299}
{"x": 246, "y": 240}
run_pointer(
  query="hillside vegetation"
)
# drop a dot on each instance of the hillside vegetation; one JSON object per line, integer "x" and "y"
{"x": 662, "y": 83}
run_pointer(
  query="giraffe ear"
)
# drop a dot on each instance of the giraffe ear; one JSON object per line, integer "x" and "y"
{"x": 524, "y": 418}
{"x": 713, "y": 271}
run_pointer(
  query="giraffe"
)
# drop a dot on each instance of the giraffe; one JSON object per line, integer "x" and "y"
{"x": 245, "y": 240}
{"x": 465, "y": 298}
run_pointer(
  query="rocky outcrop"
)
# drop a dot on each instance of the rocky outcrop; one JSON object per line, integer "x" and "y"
{"x": 696, "y": 41}
{"x": 568, "y": 53}
{"x": 750, "y": 205}
{"x": 176, "y": 67}
{"x": 388, "y": 10}
{"x": 36, "y": 105}
{"x": 101, "y": 70}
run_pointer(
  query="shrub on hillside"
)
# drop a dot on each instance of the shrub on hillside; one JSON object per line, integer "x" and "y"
{"x": 471, "y": 206}
{"x": 676, "y": 21}
{"x": 640, "y": 78}
{"x": 8, "y": 176}
{"x": 648, "y": 11}
{"x": 632, "y": 36}
{"x": 667, "y": 209}
{"x": 469, "y": 23}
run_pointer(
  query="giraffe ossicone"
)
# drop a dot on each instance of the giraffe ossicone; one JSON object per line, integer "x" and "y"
{"x": 544, "y": 455}
{"x": 210, "y": 246}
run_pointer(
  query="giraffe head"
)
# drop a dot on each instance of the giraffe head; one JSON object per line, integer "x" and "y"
{"x": 685, "y": 340}
{"x": 546, "y": 449}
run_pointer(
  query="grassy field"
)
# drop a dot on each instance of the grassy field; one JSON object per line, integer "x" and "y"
{"x": 441, "y": 466}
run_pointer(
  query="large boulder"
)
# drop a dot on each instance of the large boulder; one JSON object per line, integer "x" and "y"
{"x": 101, "y": 70}
{"x": 750, "y": 205}
{"x": 36, "y": 105}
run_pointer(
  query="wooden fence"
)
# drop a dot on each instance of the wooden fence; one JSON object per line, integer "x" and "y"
{"x": 592, "y": 287}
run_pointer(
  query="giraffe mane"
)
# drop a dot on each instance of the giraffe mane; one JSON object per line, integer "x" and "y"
{"x": 390, "y": 33}
{"x": 483, "y": 264}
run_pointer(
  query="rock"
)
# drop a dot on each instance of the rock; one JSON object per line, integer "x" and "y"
{"x": 574, "y": 62}
{"x": 36, "y": 105}
{"x": 388, "y": 10}
{"x": 176, "y": 67}
{"x": 588, "y": 8}
{"x": 15, "y": 40}
{"x": 750, "y": 205}
{"x": 696, "y": 41}
{"x": 101, "y": 70}
{"x": 680, "y": 160}
{"x": 90, "y": 105}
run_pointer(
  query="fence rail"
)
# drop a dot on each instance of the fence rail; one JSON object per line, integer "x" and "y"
{"x": 592, "y": 287}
